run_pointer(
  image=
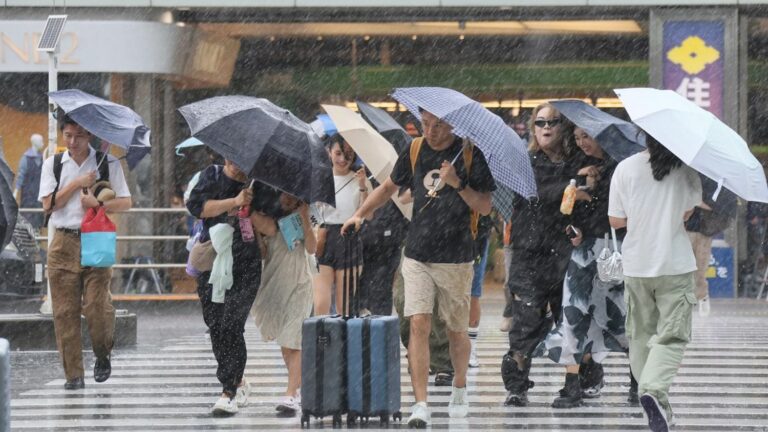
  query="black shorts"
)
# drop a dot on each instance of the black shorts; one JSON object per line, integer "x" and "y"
{"x": 334, "y": 251}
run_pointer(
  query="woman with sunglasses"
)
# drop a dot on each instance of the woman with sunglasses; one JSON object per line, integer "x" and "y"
{"x": 540, "y": 249}
{"x": 594, "y": 312}
{"x": 351, "y": 189}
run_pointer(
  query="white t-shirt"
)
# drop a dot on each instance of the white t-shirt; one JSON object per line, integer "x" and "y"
{"x": 347, "y": 200}
{"x": 656, "y": 243}
{"x": 71, "y": 215}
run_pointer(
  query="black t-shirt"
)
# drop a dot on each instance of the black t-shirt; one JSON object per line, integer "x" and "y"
{"x": 215, "y": 185}
{"x": 440, "y": 233}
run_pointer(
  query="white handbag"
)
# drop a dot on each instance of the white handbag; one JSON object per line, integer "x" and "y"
{"x": 609, "y": 264}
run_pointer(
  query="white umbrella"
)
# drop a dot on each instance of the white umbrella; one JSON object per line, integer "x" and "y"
{"x": 375, "y": 151}
{"x": 698, "y": 138}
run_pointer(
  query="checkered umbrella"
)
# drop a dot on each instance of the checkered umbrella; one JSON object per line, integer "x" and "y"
{"x": 505, "y": 152}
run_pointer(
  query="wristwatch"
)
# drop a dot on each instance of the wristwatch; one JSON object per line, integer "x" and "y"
{"x": 462, "y": 185}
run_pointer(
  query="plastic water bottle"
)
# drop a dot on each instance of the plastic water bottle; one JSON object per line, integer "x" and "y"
{"x": 246, "y": 228}
{"x": 569, "y": 198}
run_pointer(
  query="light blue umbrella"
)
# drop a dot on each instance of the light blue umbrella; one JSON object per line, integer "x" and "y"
{"x": 114, "y": 123}
{"x": 324, "y": 126}
{"x": 503, "y": 149}
{"x": 620, "y": 139}
{"x": 187, "y": 143}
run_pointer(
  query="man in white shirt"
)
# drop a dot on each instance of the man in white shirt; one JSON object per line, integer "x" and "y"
{"x": 76, "y": 289}
{"x": 652, "y": 194}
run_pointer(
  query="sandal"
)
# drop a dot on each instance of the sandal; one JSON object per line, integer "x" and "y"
{"x": 444, "y": 379}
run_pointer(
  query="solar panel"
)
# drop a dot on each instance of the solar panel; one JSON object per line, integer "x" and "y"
{"x": 52, "y": 33}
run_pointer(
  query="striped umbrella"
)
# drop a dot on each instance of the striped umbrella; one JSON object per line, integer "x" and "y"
{"x": 503, "y": 149}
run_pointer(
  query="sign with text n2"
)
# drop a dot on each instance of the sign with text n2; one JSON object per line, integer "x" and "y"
{"x": 693, "y": 61}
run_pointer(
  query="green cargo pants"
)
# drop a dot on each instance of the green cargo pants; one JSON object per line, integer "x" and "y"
{"x": 439, "y": 354}
{"x": 659, "y": 311}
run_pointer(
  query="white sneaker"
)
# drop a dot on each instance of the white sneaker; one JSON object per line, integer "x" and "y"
{"x": 506, "y": 325}
{"x": 473, "y": 361}
{"x": 289, "y": 405}
{"x": 420, "y": 416}
{"x": 704, "y": 307}
{"x": 224, "y": 406}
{"x": 243, "y": 392}
{"x": 458, "y": 407}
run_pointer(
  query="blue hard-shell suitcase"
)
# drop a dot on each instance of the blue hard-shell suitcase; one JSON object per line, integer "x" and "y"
{"x": 323, "y": 368}
{"x": 373, "y": 369}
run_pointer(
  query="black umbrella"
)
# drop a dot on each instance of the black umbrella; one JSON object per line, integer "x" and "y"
{"x": 268, "y": 142}
{"x": 619, "y": 138}
{"x": 114, "y": 123}
{"x": 385, "y": 125}
{"x": 10, "y": 210}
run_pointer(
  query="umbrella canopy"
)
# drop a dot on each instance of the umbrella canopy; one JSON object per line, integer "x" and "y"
{"x": 619, "y": 138}
{"x": 385, "y": 125}
{"x": 372, "y": 148}
{"x": 266, "y": 141}
{"x": 109, "y": 121}
{"x": 323, "y": 126}
{"x": 698, "y": 138}
{"x": 187, "y": 143}
{"x": 9, "y": 211}
{"x": 505, "y": 152}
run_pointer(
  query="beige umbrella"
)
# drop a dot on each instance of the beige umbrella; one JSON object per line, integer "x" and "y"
{"x": 375, "y": 151}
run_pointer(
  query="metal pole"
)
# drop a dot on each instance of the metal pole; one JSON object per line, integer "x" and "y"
{"x": 53, "y": 85}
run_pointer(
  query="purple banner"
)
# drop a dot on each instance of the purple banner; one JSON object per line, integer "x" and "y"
{"x": 693, "y": 62}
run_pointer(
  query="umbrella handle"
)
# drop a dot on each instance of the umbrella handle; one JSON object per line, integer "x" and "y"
{"x": 440, "y": 181}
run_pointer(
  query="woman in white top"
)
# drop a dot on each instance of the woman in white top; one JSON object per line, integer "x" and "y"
{"x": 285, "y": 296}
{"x": 351, "y": 190}
{"x": 652, "y": 194}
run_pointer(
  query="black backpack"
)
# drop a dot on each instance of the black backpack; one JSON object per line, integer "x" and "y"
{"x": 57, "y": 165}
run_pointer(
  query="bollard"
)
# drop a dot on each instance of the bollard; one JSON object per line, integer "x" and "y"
{"x": 5, "y": 386}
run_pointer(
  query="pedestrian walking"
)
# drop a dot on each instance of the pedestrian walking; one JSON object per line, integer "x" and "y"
{"x": 540, "y": 249}
{"x": 709, "y": 219}
{"x": 350, "y": 189}
{"x": 652, "y": 194}
{"x": 284, "y": 300}
{"x": 227, "y": 286}
{"x": 64, "y": 192}
{"x": 28, "y": 180}
{"x": 438, "y": 252}
{"x": 592, "y": 323}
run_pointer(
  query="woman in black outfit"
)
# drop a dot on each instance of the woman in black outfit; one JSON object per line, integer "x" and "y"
{"x": 216, "y": 199}
{"x": 540, "y": 249}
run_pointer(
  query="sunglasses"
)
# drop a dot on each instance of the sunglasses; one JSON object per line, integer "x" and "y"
{"x": 551, "y": 123}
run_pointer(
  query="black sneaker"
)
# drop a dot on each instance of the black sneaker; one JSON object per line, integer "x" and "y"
{"x": 443, "y": 379}
{"x": 74, "y": 384}
{"x": 657, "y": 417}
{"x": 102, "y": 369}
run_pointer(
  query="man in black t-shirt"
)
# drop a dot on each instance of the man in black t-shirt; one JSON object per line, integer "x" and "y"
{"x": 438, "y": 251}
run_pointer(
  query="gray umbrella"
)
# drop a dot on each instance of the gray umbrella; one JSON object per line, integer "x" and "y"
{"x": 268, "y": 142}
{"x": 109, "y": 121}
{"x": 385, "y": 125}
{"x": 10, "y": 210}
{"x": 619, "y": 138}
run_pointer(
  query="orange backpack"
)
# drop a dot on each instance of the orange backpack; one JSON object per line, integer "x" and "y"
{"x": 467, "y": 148}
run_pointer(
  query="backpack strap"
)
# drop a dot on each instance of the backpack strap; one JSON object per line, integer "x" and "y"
{"x": 57, "y": 176}
{"x": 474, "y": 217}
{"x": 467, "y": 151}
{"x": 103, "y": 166}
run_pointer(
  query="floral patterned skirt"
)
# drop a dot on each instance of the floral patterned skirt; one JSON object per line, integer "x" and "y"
{"x": 593, "y": 313}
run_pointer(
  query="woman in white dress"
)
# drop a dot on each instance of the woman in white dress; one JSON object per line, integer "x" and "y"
{"x": 284, "y": 300}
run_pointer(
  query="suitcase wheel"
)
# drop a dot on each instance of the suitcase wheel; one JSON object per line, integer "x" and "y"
{"x": 398, "y": 416}
{"x": 337, "y": 420}
{"x": 304, "y": 419}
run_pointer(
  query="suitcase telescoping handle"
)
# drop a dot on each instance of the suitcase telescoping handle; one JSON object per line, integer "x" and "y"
{"x": 351, "y": 276}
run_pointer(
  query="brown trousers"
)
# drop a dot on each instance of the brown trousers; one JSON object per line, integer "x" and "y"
{"x": 77, "y": 290}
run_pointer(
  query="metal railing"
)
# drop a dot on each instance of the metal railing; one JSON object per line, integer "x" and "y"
{"x": 140, "y": 263}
